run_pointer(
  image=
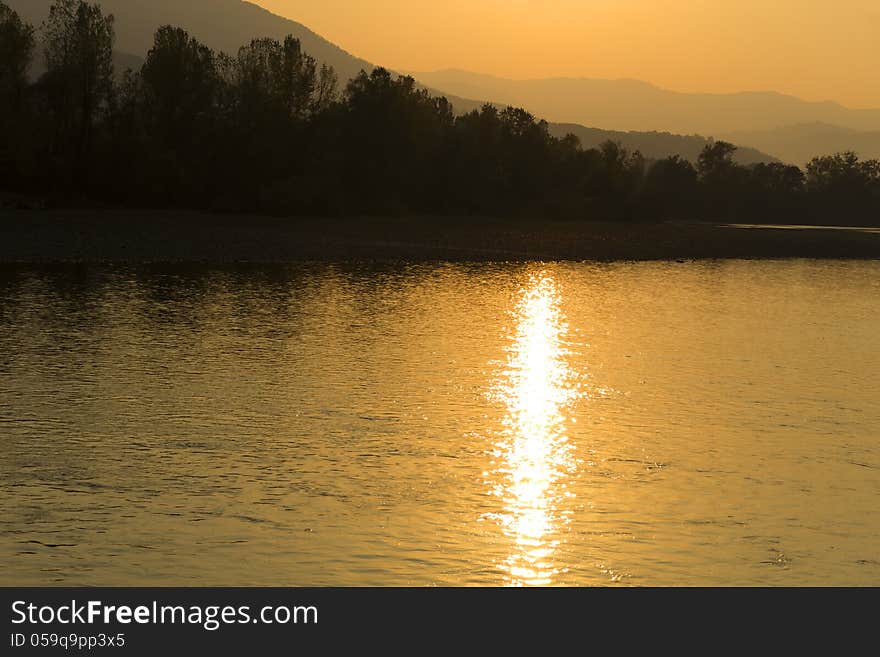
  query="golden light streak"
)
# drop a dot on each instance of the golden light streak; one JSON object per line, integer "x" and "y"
{"x": 534, "y": 455}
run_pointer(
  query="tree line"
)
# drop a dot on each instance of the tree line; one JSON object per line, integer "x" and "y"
{"x": 269, "y": 130}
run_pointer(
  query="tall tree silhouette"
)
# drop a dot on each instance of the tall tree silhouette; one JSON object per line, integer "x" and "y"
{"x": 392, "y": 131}
{"x": 716, "y": 161}
{"x": 180, "y": 83}
{"x": 669, "y": 189}
{"x": 774, "y": 192}
{"x": 722, "y": 180}
{"x": 16, "y": 51}
{"x": 78, "y": 42}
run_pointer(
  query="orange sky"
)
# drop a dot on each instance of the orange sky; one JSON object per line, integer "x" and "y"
{"x": 815, "y": 49}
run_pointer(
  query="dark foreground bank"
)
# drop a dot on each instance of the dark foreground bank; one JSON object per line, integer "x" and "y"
{"x": 67, "y": 236}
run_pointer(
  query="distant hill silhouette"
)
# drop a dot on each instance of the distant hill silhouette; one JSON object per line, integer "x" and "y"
{"x": 797, "y": 144}
{"x": 654, "y": 145}
{"x": 125, "y": 60}
{"x": 635, "y": 105}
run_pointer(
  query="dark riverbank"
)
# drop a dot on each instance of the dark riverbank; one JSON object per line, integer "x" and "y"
{"x": 114, "y": 236}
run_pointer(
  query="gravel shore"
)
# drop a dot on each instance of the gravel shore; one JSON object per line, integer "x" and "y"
{"x": 37, "y": 236}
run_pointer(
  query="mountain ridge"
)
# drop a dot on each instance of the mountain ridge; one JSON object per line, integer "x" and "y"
{"x": 801, "y": 142}
{"x": 628, "y": 104}
{"x": 637, "y": 82}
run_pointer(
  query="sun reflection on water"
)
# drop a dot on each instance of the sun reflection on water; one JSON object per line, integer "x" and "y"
{"x": 534, "y": 456}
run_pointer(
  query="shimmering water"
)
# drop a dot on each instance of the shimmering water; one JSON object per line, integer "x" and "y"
{"x": 485, "y": 424}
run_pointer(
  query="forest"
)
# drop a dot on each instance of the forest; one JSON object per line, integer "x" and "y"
{"x": 269, "y": 130}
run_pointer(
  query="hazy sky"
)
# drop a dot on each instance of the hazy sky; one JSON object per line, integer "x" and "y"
{"x": 816, "y": 49}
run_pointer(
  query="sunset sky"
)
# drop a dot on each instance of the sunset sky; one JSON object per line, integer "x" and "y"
{"x": 815, "y": 49}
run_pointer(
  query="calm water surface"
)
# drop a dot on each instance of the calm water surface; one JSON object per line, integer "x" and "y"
{"x": 571, "y": 424}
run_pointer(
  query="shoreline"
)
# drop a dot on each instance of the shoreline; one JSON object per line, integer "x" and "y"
{"x": 110, "y": 236}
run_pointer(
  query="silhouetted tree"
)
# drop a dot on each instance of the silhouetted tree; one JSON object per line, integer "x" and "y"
{"x": 612, "y": 177}
{"x": 16, "y": 51}
{"x": 842, "y": 185}
{"x": 670, "y": 189}
{"x": 279, "y": 76}
{"x": 716, "y": 161}
{"x": 775, "y": 192}
{"x": 276, "y": 93}
{"x": 78, "y": 42}
{"x": 777, "y": 178}
{"x": 391, "y": 131}
{"x": 841, "y": 173}
{"x": 180, "y": 83}
{"x": 723, "y": 181}
{"x": 326, "y": 91}
{"x": 472, "y": 162}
